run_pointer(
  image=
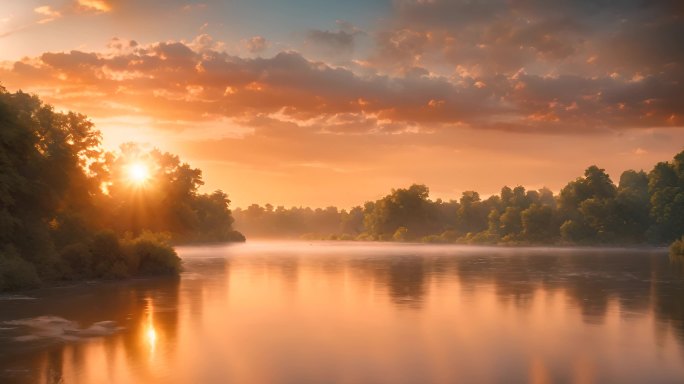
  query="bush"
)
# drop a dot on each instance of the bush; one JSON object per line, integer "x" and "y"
{"x": 677, "y": 250}
{"x": 575, "y": 232}
{"x": 236, "y": 236}
{"x": 481, "y": 238}
{"x": 365, "y": 236}
{"x": 434, "y": 239}
{"x": 106, "y": 256}
{"x": 78, "y": 261}
{"x": 15, "y": 272}
{"x": 147, "y": 255}
{"x": 311, "y": 236}
{"x": 401, "y": 234}
{"x": 449, "y": 236}
{"x": 106, "y": 251}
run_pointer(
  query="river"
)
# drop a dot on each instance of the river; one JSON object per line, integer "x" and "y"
{"x": 334, "y": 312}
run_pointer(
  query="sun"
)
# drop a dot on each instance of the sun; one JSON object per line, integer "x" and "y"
{"x": 138, "y": 173}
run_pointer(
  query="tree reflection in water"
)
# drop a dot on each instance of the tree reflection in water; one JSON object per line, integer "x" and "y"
{"x": 235, "y": 308}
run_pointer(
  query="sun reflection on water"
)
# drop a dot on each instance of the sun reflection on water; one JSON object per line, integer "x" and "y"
{"x": 150, "y": 333}
{"x": 321, "y": 315}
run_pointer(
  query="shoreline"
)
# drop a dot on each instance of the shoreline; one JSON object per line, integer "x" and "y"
{"x": 268, "y": 244}
{"x": 420, "y": 243}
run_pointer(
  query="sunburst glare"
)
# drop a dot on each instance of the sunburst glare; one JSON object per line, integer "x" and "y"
{"x": 138, "y": 173}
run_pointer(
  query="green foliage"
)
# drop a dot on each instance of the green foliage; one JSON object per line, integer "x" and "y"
{"x": 59, "y": 191}
{"x": 78, "y": 261}
{"x": 643, "y": 208}
{"x": 107, "y": 256}
{"x": 666, "y": 188}
{"x": 677, "y": 250}
{"x": 632, "y": 207}
{"x": 150, "y": 255}
{"x": 107, "y": 250}
{"x": 267, "y": 221}
{"x": 168, "y": 202}
{"x": 15, "y": 272}
{"x": 510, "y": 222}
{"x": 408, "y": 208}
{"x": 483, "y": 237}
{"x": 401, "y": 234}
{"x": 539, "y": 224}
{"x": 576, "y": 231}
{"x": 472, "y": 214}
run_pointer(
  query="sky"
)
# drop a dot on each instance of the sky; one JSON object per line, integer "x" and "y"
{"x": 317, "y": 103}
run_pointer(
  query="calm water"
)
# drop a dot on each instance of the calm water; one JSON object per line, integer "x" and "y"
{"x": 360, "y": 313}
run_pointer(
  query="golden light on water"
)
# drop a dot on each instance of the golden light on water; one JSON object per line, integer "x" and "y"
{"x": 150, "y": 332}
{"x": 151, "y": 335}
{"x": 256, "y": 316}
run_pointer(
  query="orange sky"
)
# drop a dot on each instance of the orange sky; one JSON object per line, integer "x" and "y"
{"x": 326, "y": 103}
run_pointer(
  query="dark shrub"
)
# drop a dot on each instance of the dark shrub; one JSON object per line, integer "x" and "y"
{"x": 78, "y": 261}
{"x": 152, "y": 255}
{"x": 677, "y": 250}
{"x": 16, "y": 273}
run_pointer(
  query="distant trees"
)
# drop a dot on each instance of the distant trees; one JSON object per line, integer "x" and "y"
{"x": 472, "y": 214}
{"x": 585, "y": 207}
{"x": 642, "y": 208}
{"x": 407, "y": 211}
{"x": 666, "y": 190}
{"x": 66, "y": 210}
{"x": 268, "y": 221}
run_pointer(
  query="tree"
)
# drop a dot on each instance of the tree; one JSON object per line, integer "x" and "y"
{"x": 632, "y": 207}
{"x": 59, "y": 190}
{"x": 351, "y": 222}
{"x": 510, "y": 222}
{"x": 539, "y": 224}
{"x": 169, "y": 201}
{"x": 409, "y": 208}
{"x": 472, "y": 216}
{"x": 586, "y": 205}
{"x": 666, "y": 188}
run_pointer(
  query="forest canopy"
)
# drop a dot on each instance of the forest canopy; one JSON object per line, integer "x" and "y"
{"x": 642, "y": 208}
{"x": 71, "y": 210}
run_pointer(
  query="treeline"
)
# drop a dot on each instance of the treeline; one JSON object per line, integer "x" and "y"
{"x": 643, "y": 208}
{"x": 70, "y": 210}
{"x": 256, "y": 221}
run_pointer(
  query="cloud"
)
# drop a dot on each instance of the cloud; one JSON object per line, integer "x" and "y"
{"x": 543, "y": 85}
{"x": 256, "y": 44}
{"x": 118, "y": 44}
{"x": 339, "y": 40}
{"x": 193, "y": 6}
{"x": 195, "y": 81}
{"x": 95, "y": 5}
{"x": 48, "y": 14}
{"x": 587, "y": 38}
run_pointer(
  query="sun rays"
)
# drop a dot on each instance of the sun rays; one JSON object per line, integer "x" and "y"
{"x": 138, "y": 173}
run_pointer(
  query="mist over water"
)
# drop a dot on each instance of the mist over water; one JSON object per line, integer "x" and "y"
{"x": 329, "y": 312}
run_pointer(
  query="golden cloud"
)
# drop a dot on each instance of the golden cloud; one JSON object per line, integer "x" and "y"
{"x": 195, "y": 82}
{"x": 95, "y": 5}
{"x": 48, "y": 13}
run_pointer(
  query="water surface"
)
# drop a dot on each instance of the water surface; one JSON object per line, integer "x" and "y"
{"x": 360, "y": 313}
